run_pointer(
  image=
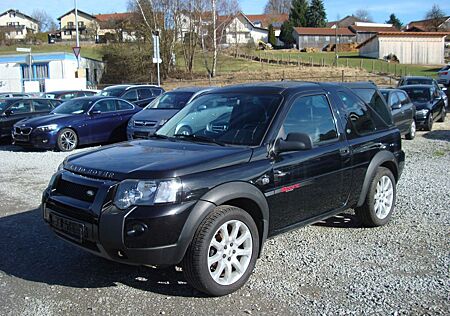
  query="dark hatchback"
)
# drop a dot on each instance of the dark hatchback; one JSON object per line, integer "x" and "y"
{"x": 290, "y": 154}
{"x": 429, "y": 104}
{"x": 79, "y": 121}
{"x": 141, "y": 95}
{"x": 403, "y": 111}
{"x": 13, "y": 110}
{"x": 144, "y": 123}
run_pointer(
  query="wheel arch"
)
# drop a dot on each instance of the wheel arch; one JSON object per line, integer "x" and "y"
{"x": 381, "y": 159}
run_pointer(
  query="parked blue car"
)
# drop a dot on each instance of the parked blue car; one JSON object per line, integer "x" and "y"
{"x": 80, "y": 121}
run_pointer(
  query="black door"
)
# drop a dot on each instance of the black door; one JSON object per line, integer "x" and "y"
{"x": 396, "y": 107}
{"x": 311, "y": 182}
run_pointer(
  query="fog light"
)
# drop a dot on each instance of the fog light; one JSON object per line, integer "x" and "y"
{"x": 137, "y": 230}
{"x": 120, "y": 254}
{"x": 45, "y": 141}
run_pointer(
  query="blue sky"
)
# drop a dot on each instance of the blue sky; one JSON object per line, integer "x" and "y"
{"x": 406, "y": 10}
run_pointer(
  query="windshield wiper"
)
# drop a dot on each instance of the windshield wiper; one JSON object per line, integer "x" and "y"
{"x": 160, "y": 136}
{"x": 200, "y": 138}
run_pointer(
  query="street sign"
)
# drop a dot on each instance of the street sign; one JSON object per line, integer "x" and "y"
{"x": 157, "y": 60}
{"x": 23, "y": 50}
{"x": 76, "y": 51}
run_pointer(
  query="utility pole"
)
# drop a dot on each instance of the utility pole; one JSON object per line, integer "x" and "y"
{"x": 336, "y": 56}
{"x": 77, "y": 34}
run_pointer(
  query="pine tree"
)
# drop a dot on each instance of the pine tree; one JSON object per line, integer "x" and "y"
{"x": 395, "y": 21}
{"x": 316, "y": 15}
{"x": 297, "y": 16}
{"x": 286, "y": 33}
{"x": 272, "y": 38}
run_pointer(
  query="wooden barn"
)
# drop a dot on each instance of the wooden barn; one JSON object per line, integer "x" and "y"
{"x": 421, "y": 48}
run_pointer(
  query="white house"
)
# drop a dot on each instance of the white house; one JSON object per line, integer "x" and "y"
{"x": 16, "y": 25}
{"x": 87, "y": 25}
{"x": 421, "y": 48}
{"x": 48, "y": 69}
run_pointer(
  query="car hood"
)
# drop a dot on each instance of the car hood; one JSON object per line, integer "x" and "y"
{"x": 422, "y": 105}
{"x": 46, "y": 119}
{"x": 155, "y": 114}
{"x": 155, "y": 159}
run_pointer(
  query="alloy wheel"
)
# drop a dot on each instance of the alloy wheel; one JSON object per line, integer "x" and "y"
{"x": 230, "y": 252}
{"x": 68, "y": 140}
{"x": 412, "y": 130}
{"x": 384, "y": 197}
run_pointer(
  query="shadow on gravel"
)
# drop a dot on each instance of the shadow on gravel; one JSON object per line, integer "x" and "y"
{"x": 343, "y": 220}
{"x": 438, "y": 135}
{"x": 30, "y": 251}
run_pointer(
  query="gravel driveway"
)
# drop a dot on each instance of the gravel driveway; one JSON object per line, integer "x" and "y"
{"x": 333, "y": 267}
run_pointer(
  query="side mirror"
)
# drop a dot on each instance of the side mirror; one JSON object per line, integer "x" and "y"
{"x": 396, "y": 106}
{"x": 95, "y": 112}
{"x": 293, "y": 142}
{"x": 9, "y": 112}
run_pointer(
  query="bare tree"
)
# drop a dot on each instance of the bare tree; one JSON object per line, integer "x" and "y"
{"x": 436, "y": 16}
{"x": 45, "y": 21}
{"x": 277, "y": 6}
{"x": 363, "y": 15}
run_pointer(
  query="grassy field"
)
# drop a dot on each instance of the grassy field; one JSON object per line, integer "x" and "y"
{"x": 88, "y": 50}
{"x": 350, "y": 59}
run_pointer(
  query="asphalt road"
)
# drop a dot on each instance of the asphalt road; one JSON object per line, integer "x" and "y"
{"x": 334, "y": 267}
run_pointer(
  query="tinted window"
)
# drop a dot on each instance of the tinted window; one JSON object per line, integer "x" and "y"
{"x": 21, "y": 107}
{"x": 412, "y": 81}
{"x": 419, "y": 94}
{"x": 385, "y": 95}
{"x": 105, "y": 106}
{"x": 156, "y": 92}
{"x": 145, "y": 94}
{"x": 122, "y": 105}
{"x": 311, "y": 115}
{"x": 41, "y": 105}
{"x": 231, "y": 118}
{"x": 130, "y": 95}
{"x": 75, "y": 106}
{"x": 113, "y": 92}
{"x": 171, "y": 100}
{"x": 67, "y": 96}
{"x": 403, "y": 97}
{"x": 373, "y": 98}
{"x": 357, "y": 115}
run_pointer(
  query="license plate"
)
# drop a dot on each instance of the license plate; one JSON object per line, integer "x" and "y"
{"x": 71, "y": 229}
{"x": 141, "y": 135}
{"x": 21, "y": 137}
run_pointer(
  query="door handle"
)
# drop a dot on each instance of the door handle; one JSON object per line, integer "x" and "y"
{"x": 279, "y": 174}
{"x": 344, "y": 151}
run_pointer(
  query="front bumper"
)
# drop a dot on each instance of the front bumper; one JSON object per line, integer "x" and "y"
{"x": 140, "y": 132}
{"x": 108, "y": 232}
{"x": 421, "y": 118}
{"x": 36, "y": 139}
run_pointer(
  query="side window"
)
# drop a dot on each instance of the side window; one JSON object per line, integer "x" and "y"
{"x": 130, "y": 95}
{"x": 68, "y": 96}
{"x": 156, "y": 92}
{"x": 144, "y": 94}
{"x": 105, "y": 106}
{"x": 394, "y": 99}
{"x": 357, "y": 116}
{"x": 403, "y": 98}
{"x": 41, "y": 105}
{"x": 311, "y": 115}
{"x": 21, "y": 107}
{"x": 122, "y": 105}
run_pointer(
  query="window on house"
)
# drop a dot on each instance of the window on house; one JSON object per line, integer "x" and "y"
{"x": 327, "y": 38}
{"x": 316, "y": 38}
{"x": 81, "y": 23}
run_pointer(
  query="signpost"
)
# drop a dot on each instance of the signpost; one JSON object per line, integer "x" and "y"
{"x": 156, "y": 56}
{"x": 29, "y": 61}
{"x": 78, "y": 36}
{"x": 76, "y": 51}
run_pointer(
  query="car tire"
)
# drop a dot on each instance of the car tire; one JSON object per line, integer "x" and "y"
{"x": 212, "y": 261}
{"x": 380, "y": 200}
{"x": 443, "y": 114}
{"x": 429, "y": 123}
{"x": 67, "y": 140}
{"x": 412, "y": 131}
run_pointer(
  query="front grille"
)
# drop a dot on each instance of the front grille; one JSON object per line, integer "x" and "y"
{"x": 145, "y": 123}
{"x": 76, "y": 191}
{"x": 72, "y": 212}
{"x": 23, "y": 130}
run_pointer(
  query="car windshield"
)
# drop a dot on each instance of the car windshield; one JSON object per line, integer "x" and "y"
{"x": 113, "y": 92}
{"x": 371, "y": 97}
{"x": 3, "y": 105}
{"x": 75, "y": 106}
{"x": 418, "y": 94}
{"x": 409, "y": 82}
{"x": 225, "y": 118}
{"x": 170, "y": 100}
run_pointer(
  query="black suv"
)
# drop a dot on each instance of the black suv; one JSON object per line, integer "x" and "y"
{"x": 141, "y": 95}
{"x": 270, "y": 158}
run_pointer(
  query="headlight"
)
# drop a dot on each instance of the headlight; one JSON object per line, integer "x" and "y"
{"x": 131, "y": 122}
{"x": 146, "y": 192}
{"x": 423, "y": 112}
{"x": 62, "y": 164}
{"x": 47, "y": 128}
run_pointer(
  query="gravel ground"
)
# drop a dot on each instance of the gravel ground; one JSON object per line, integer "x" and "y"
{"x": 333, "y": 267}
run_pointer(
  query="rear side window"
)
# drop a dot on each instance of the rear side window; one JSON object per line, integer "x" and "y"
{"x": 156, "y": 92}
{"x": 105, "y": 106}
{"x": 21, "y": 107}
{"x": 130, "y": 95}
{"x": 41, "y": 105}
{"x": 122, "y": 105}
{"x": 357, "y": 115}
{"x": 145, "y": 94}
{"x": 311, "y": 115}
{"x": 67, "y": 96}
